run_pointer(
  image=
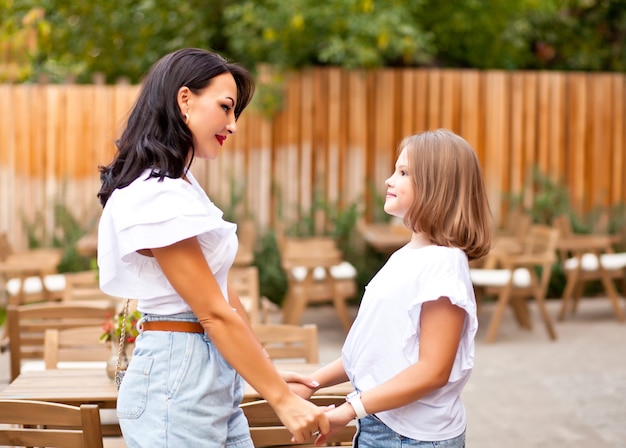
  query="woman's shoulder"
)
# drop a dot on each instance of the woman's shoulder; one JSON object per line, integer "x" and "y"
{"x": 148, "y": 187}
{"x": 150, "y": 199}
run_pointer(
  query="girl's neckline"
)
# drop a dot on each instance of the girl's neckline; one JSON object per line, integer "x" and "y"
{"x": 414, "y": 246}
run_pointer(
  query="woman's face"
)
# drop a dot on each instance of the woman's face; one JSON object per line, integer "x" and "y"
{"x": 211, "y": 114}
{"x": 400, "y": 192}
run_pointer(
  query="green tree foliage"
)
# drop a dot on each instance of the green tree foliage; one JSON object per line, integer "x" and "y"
{"x": 478, "y": 33}
{"x": 118, "y": 38}
{"x": 579, "y": 35}
{"x": 19, "y": 41}
{"x": 348, "y": 33}
{"x": 122, "y": 38}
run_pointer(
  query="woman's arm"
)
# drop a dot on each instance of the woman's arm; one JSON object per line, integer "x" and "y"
{"x": 295, "y": 380}
{"x": 186, "y": 269}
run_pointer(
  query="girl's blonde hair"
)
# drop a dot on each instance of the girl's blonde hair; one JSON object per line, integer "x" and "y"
{"x": 450, "y": 203}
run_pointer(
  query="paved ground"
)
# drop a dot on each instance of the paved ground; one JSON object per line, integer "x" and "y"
{"x": 527, "y": 391}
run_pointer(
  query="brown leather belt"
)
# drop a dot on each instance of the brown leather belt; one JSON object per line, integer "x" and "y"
{"x": 172, "y": 325}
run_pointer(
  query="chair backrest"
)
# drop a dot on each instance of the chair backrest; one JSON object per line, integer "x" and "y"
{"x": 83, "y": 286}
{"x": 49, "y": 424}
{"x": 80, "y": 344}
{"x": 542, "y": 242}
{"x": 245, "y": 281}
{"x": 517, "y": 224}
{"x": 5, "y": 247}
{"x": 27, "y": 324}
{"x": 309, "y": 263}
{"x": 309, "y": 252}
{"x": 267, "y": 430}
{"x": 283, "y": 341}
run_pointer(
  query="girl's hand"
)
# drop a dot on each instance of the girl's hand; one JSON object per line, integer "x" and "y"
{"x": 301, "y": 385}
{"x": 338, "y": 418}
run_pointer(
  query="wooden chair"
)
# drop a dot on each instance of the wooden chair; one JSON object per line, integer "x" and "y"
{"x": 587, "y": 258}
{"x": 75, "y": 347}
{"x": 245, "y": 281}
{"x": 27, "y": 324}
{"x": 316, "y": 272}
{"x": 283, "y": 341}
{"x": 516, "y": 278}
{"x": 247, "y": 235}
{"x": 31, "y": 276}
{"x": 267, "y": 430}
{"x": 515, "y": 227}
{"x": 81, "y": 347}
{"x": 83, "y": 285}
{"x": 49, "y": 424}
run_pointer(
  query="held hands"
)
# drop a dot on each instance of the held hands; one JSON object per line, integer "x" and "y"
{"x": 302, "y": 418}
{"x": 338, "y": 418}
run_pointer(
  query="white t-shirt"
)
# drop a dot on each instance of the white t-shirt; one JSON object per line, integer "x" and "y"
{"x": 384, "y": 338}
{"x": 148, "y": 214}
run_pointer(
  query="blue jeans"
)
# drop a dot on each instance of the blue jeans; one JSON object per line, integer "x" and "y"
{"x": 372, "y": 433}
{"x": 178, "y": 391}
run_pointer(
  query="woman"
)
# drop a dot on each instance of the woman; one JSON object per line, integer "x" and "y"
{"x": 162, "y": 241}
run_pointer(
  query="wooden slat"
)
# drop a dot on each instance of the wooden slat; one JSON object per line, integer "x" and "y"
{"x": 576, "y": 144}
{"x": 496, "y": 165}
{"x": 450, "y": 101}
{"x": 599, "y": 149}
{"x": 618, "y": 137}
{"x": 355, "y": 169}
{"x": 471, "y": 119}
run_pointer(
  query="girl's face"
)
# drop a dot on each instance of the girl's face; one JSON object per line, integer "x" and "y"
{"x": 400, "y": 192}
{"x": 211, "y": 114}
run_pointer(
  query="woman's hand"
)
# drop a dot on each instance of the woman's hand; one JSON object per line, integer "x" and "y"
{"x": 301, "y": 385}
{"x": 302, "y": 418}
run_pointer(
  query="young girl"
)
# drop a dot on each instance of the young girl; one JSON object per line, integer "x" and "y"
{"x": 162, "y": 241}
{"x": 410, "y": 350}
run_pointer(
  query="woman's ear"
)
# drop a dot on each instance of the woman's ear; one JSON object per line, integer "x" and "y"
{"x": 183, "y": 98}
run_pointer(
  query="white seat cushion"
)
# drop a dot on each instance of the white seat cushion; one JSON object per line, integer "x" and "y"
{"x": 32, "y": 285}
{"x": 500, "y": 277}
{"x": 589, "y": 262}
{"x": 342, "y": 271}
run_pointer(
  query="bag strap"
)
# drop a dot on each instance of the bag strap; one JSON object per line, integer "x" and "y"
{"x": 121, "y": 346}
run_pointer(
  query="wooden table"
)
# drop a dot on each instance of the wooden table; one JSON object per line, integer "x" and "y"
{"x": 385, "y": 238}
{"x": 69, "y": 386}
{"x": 77, "y": 386}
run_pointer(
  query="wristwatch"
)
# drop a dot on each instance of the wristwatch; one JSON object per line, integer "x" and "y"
{"x": 354, "y": 398}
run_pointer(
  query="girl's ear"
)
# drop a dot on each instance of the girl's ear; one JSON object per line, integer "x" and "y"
{"x": 183, "y": 98}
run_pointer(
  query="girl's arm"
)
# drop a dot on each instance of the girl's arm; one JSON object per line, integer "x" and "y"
{"x": 186, "y": 269}
{"x": 329, "y": 375}
{"x": 441, "y": 327}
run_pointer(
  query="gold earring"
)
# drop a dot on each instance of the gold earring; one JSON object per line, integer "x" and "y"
{"x": 186, "y": 115}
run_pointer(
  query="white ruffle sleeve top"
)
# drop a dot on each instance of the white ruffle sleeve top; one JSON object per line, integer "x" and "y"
{"x": 150, "y": 213}
{"x": 385, "y": 336}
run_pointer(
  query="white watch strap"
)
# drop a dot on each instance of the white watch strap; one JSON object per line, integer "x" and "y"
{"x": 354, "y": 398}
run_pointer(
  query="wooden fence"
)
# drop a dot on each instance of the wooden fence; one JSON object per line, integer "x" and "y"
{"x": 335, "y": 139}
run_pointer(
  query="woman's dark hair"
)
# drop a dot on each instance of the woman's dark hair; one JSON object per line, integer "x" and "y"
{"x": 156, "y": 135}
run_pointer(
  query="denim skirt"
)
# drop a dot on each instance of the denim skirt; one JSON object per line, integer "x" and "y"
{"x": 373, "y": 433}
{"x": 178, "y": 391}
